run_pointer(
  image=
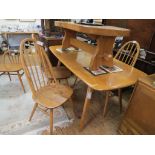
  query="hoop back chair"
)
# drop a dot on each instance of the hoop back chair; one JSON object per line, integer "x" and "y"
{"x": 11, "y": 65}
{"x": 46, "y": 95}
{"x": 128, "y": 54}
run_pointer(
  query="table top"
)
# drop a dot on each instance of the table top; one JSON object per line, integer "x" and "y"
{"x": 76, "y": 61}
{"x": 94, "y": 30}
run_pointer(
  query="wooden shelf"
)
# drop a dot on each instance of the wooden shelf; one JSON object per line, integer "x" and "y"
{"x": 52, "y": 38}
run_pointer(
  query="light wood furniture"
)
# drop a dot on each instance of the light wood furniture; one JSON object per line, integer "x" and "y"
{"x": 139, "y": 117}
{"x": 60, "y": 72}
{"x": 11, "y": 65}
{"x": 128, "y": 54}
{"x": 47, "y": 96}
{"x": 51, "y": 41}
{"x": 104, "y": 35}
{"x": 14, "y": 38}
{"x": 32, "y": 33}
{"x": 75, "y": 61}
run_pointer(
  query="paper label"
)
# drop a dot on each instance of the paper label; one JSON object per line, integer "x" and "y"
{"x": 40, "y": 43}
{"x": 89, "y": 95}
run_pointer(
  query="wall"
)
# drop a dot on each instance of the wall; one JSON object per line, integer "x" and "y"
{"x": 18, "y": 25}
{"x": 142, "y": 30}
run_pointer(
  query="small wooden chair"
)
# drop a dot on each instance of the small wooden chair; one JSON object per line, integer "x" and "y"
{"x": 11, "y": 65}
{"x": 60, "y": 72}
{"x": 128, "y": 54}
{"x": 46, "y": 95}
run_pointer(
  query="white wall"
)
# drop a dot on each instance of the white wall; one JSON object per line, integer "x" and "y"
{"x": 17, "y": 25}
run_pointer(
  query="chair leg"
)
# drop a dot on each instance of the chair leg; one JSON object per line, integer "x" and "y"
{"x": 76, "y": 78}
{"x": 34, "y": 109}
{"x": 9, "y": 76}
{"x": 51, "y": 121}
{"x": 72, "y": 105}
{"x": 67, "y": 82}
{"x": 120, "y": 99}
{"x": 20, "y": 79}
{"x": 85, "y": 108}
{"x": 106, "y": 103}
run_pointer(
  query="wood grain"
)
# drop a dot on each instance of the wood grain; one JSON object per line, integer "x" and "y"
{"x": 95, "y": 30}
{"x": 104, "y": 35}
{"x": 110, "y": 81}
{"x": 46, "y": 95}
{"x": 11, "y": 65}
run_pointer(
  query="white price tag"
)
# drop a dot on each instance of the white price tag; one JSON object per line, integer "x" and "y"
{"x": 40, "y": 43}
{"x": 89, "y": 95}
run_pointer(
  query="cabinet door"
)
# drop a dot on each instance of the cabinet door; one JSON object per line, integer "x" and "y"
{"x": 140, "y": 115}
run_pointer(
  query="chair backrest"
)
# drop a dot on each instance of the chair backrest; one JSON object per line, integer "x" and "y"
{"x": 11, "y": 58}
{"x": 128, "y": 53}
{"x": 35, "y": 64}
{"x": 42, "y": 54}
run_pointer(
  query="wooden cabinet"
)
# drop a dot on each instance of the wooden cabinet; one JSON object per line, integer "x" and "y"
{"x": 52, "y": 36}
{"x": 139, "y": 117}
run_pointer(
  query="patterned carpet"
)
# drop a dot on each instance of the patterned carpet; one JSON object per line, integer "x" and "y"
{"x": 15, "y": 109}
{"x": 16, "y": 106}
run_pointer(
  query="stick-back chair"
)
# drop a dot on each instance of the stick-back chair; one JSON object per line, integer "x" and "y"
{"x": 60, "y": 72}
{"x": 46, "y": 95}
{"x": 128, "y": 54}
{"x": 11, "y": 65}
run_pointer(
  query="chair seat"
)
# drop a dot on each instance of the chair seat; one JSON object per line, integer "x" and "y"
{"x": 60, "y": 72}
{"x": 10, "y": 67}
{"x": 53, "y": 95}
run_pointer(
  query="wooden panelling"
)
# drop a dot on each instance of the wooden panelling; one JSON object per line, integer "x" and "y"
{"x": 142, "y": 30}
{"x": 139, "y": 117}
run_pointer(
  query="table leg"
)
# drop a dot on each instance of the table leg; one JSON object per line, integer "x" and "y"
{"x": 120, "y": 98}
{"x": 51, "y": 121}
{"x": 85, "y": 108}
{"x": 106, "y": 103}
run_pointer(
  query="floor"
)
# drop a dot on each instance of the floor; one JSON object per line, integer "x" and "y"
{"x": 16, "y": 107}
{"x": 95, "y": 123}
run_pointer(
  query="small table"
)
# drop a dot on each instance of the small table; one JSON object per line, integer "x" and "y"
{"x": 76, "y": 61}
{"x": 32, "y": 33}
{"x": 14, "y": 38}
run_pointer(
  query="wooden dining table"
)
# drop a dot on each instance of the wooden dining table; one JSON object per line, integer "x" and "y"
{"x": 76, "y": 61}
